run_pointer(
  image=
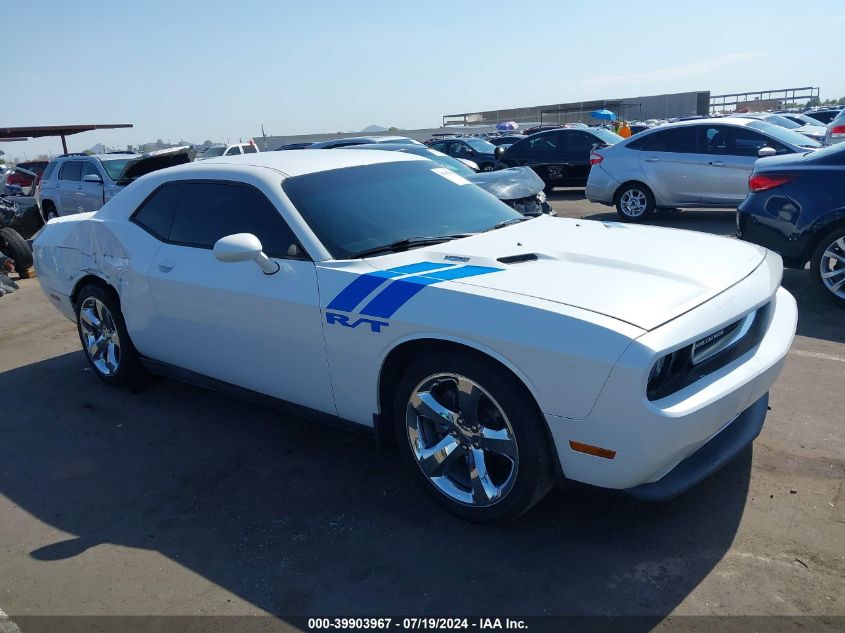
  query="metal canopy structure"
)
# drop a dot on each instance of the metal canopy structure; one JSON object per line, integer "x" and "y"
{"x": 782, "y": 96}
{"x": 39, "y": 131}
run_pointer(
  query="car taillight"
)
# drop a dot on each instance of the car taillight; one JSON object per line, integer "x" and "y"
{"x": 595, "y": 159}
{"x": 837, "y": 130}
{"x": 763, "y": 182}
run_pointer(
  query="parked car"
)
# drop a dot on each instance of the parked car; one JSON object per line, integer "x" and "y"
{"x": 815, "y": 132}
{"x": 20, "y": 213}
{"x": 519, "y": 188}
{"x": 21, "y": 181}
{"x": 362, "y": 140}
{"x": 796, "y": 207}
{"x": 293, "y": 146}
{"x": 235, "y": 149}
{"x": 433, "y": 314}
{"x": 698, "y": 163}
{"x": 478, "y": 150}
{"x": 77, "y": 183}
{"x": 823, "y": 116}
{"x": 801, "y": 118}
{"x": 835, "y": 132}
{"x": 561, "y": 157}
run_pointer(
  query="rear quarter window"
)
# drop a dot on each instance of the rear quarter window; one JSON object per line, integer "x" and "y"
{"x": 155, "y": 215}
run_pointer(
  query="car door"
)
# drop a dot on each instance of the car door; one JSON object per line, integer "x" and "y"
{"x": 90, "y": 194}
{"x": 542, "y": 154}
{"x": 671, "y": 163}
{"x": 731, "y": 152}
{"x": 575, "y": 149}
{"x": 230, "y": 321}
{"x": 70, "y": 178}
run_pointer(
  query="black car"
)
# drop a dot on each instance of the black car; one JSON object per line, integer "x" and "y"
{"x": 823, "y": 116}
{"x": 797, "y": 208}
{"x": 560, "y": 157}
{"x": 479, "y": 151}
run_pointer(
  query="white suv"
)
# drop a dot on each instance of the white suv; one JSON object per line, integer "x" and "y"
{"x": 236, "y": 149}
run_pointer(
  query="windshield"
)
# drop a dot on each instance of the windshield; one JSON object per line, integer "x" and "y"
{"x": 480, "y": 145}
{"x": 607, "y": 136}
{"x": 211, "y": 152}
{"x": 359, "y": 208}
{"x": 782, "y": 121}
{"x": 782, "y": 134}
{"x": 803, "y": 119}
{"x": 439, "y": 157}
{"x": 114, "y": 167}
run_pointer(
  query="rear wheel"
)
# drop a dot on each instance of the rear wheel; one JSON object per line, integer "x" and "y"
{"x": 104, "y": 338}
{"x": 13, "y": 244}
{"x": 828, "y": 265}
{"x": 635, "y": 203}
{"x": 474, "y": 436}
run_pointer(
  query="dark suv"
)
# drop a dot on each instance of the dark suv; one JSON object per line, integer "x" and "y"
{"x": 479, "y": 151}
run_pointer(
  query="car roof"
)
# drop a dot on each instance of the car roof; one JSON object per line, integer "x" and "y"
{"x": 727, "y": 120}
{"x": 300, "y": 163}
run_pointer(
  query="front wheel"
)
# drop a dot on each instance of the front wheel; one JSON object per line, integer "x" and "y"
{"x": 474, "y": 436}
{"x": 105, "y": 340}
{"x": 828, "y": 265}
{"x": 635, "y": 203}
{"x": 487, "y": 167}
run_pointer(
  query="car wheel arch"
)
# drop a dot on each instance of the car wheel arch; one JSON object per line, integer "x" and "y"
{"x": 405, "y": 351}
{"x": 819, "y": 232}
{"x": 627, "y": 183}
{"x": 92, "y": 280}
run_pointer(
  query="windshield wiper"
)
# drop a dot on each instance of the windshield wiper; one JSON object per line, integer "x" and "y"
{"x": 505, "y": 223}
{"x": 407, "y": 243}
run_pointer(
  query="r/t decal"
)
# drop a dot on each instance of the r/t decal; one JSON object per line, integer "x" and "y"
{"x": 341, "y": 319}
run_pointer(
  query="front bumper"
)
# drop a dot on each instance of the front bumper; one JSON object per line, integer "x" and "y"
{"x": 652, "y": 438}
{"x": 720, "y": 450}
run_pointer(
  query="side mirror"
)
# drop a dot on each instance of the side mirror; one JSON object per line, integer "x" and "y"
{"x": 763, "y": 152}
{"x": 498, "y": 152}
{"x": 93, "y": 178}
{"x": 244, "y": 247}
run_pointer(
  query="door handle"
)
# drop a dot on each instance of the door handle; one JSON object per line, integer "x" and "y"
{"x": 716, "y": 163}
{"x": 652, "y": 159}
{"x": 166, "y": 265}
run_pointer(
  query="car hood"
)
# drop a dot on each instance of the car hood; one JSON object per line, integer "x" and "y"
{"x": 642, "y": 275}
{"x": 509, "y": 184}
{"x": 153, "y": 161}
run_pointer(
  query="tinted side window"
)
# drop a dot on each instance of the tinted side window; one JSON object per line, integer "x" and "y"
{"x": 71, "y": 170}
{"x": 209, "y": 211}
{"x": 233, "y": 151}
{"x": 156, "y": 213}
{"x": 250, "y": 149}
{"x": 679, "y": 139}
{"x": 577, "y": 142}
{"x": 642, "y": 142}
{"x": 543, "y": 143}
{"x": 440, "y": 146}
{"x": 748, "y": 143}
{"x": 90, "y": 168}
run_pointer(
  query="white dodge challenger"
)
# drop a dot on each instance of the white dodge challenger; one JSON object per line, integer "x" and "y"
{"x": 501, "y": 353}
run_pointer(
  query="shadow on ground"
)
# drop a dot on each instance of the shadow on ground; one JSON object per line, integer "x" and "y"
{"x": 297, "y": 518}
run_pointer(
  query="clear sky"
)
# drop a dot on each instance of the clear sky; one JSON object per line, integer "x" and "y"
{"x": 208, "y": 69}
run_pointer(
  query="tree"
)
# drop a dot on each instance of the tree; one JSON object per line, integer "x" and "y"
{"x": 393, "y": 128}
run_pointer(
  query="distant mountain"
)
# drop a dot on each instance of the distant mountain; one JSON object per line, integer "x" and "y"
{"x": 374, "y": 128}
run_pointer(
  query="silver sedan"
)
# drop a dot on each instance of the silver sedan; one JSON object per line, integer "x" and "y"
{"x": 699, "y": 163}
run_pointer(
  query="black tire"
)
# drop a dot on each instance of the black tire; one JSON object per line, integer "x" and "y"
{"x": 488, "y": 167}
{"x": 635, "y": 203}
{"x": 819, "y": 264}
{"x": 129, "y": 371}
{"x": 49, "y": 211}
{"x": 531, "y": 473}
{"x": 13, "y": 244}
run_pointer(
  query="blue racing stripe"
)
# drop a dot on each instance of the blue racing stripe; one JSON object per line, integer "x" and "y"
{"x": 357, "y": 291}
{"x": 389, "y": 300}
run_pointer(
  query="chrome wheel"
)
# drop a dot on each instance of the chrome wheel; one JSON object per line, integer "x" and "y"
{"x": 832, "y": 267}
{"x": 99, "y": 336}
{"x": 633, "y": 203}
{"x": 462, "y": 440}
